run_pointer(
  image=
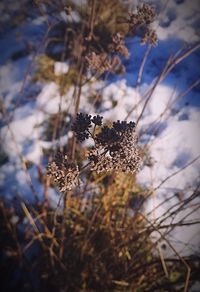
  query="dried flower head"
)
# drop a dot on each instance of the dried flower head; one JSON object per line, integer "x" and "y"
{"x": 83, "y": 123}
{"x": 97, "y": 120}
{"x": 103, "y": 62}
{"x": 99, "y": 63}
{"x": 150, "y": 37}
{"x": 117, "y": 66}
{"x": 115, "y": 149}
{"x": 118, "y": 45}
{"x": 144, "y": 15}
{"x": 65, "y": 174}
{"x": 81, "y": 126}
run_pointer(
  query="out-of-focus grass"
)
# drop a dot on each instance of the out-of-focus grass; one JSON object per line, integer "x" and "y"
{"x": 95, "y": 245}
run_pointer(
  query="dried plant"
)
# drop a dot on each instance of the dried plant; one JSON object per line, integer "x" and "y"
{"x": 150, "y": 37}
{"x": 144, "y": 15}
{"x": 64, "y": 174}
{"x": 115, "y": 149}
{"x": 99, "y": 241}
{"x": 118, "y": 45}
{"x": 98, "y": 62}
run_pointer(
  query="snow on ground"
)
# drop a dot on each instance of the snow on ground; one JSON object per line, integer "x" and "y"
{"x": 169, "y": 127}
{"x": 174, "y": 142}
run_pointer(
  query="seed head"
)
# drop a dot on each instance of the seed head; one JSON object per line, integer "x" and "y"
{"x": 97, "y": 120}
{"x": 64, "y": 174}
{"x": 115, "y": 149}
{"x": 118, "y": 45}
{"x": 81, "y": 126}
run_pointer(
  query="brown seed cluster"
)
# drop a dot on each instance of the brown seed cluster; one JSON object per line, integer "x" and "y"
{"x": 144, "y": 15}
{"x": 140, "y": 21}
{"x": 99, "y": 62}
{"x": 115, "y": 149}
{"x": 118, "y": 45}
{"x": 64, "y": 174}
{"x": 103, "y": 62}
{"x": 150, "y": 37}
